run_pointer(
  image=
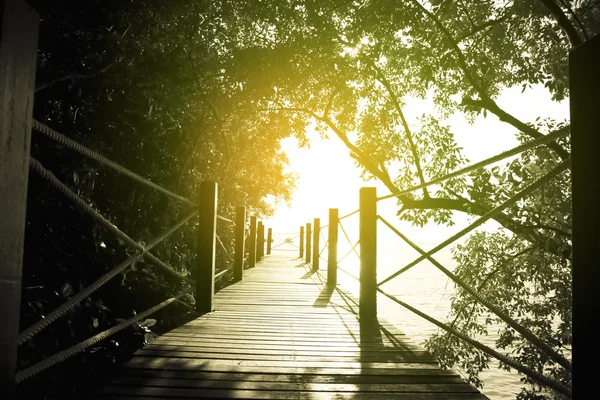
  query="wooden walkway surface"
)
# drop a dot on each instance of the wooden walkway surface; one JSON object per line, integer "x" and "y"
{"x": 282, "y": 334}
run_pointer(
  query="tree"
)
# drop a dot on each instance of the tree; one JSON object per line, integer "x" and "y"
{"x": 143, "y": 83}
{"x": 352, "y": 66}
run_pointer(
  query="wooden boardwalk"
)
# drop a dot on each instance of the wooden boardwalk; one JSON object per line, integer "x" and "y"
{"x": 282, "y": 334}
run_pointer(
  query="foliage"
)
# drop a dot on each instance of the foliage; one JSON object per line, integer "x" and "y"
{"x": 143, "y": 83}
{"x": 353, "y": 66}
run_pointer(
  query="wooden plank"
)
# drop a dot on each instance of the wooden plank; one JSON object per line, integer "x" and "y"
{"x": 406, "y": 376}
{"x": 297, "y": 386}
{"x": 18, "y": 57}
{"x": 150, "y": 392}
{"x": 273, "y": 337}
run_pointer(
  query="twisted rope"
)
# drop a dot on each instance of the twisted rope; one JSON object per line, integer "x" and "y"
{"x": 542, "y": 346}
{"x": 346, "y": 272}
{"x": 78, "y": 348}
{"x": 49, "y": 177}
{"x": 223, "y": 247}
{"x": 222, "y": 273}
{"x": 348, "y": 215}
{"x": 349, "y": 252}
{"x": 490, "y": 214}
{"x": 498, "y": 157}
{"x": 543, "y": 380}
{"x": 349, "y": 242}
{"x": 225, "y": 219}
{"x": 65, "y": 141}
{"x": 34, "y": 329}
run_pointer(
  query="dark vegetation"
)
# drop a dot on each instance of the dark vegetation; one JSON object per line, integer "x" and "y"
{"x": 141, "y": 83}
{"x": 184, "y": 91}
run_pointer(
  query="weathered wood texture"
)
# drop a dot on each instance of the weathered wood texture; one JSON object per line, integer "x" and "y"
{"x": 240, "y": 251}
{"x": 368, "y": 252}
{"x": 282, "y": 333}
{"x": 332, "y": 243}
{"x": 301, "y": 242}
{"x": 18, "y": 51}
{"x": 207, "y": 228}
{"x": 315, "y": 244}
{"x": 584, "y": 78}
{"x": 252, "y": 243}
{"x": 308, "y": 242}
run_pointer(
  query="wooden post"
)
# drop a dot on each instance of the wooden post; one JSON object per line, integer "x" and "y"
{"x": 18, "y": 51}
{"x": 308, "y": 233}
{"x": 584, "y": 64}
{"x": 301, "y": 241}
{"x": 205, "y": 282}
{"x": 332, "y": 248}
{"x": 240, "y": 226}
{"x": 260, "y": 241}
{"x": 252, "y": 244}
{"x": 368, "y": 253}
{"x": 269, "y": 240}
{"x": 316, "y": 241}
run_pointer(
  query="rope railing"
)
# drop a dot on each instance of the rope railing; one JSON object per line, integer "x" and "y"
{"x": 540, "y": 378}
{"x": 348, "y": 215}
{"x": 510, "y": 201}
{"x": 78, "y": 348}
{"x": 353, "y": 249}
{"x": 370, "y": 288}
{"x": 348, "y": 273}
{"x": 348, "y": 239}
{"x": 225, "y": 219}
{"x": 30, "y": 332}
{"x": 502, "y": 314}
{"x": 222, "y": 274}
{"x": 71, "y": 144}
{"x": 224, "y": 249}
{"x": 50, "y": 178}
{"x": 499, "y": 157}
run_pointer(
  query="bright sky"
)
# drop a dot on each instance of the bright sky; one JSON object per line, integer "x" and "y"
{"x": 328, "y": 177}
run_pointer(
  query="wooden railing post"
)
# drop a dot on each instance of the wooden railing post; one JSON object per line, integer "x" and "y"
{"x": 269, "y": 240}
{"x": 205, "y": 283}
{"x": 252, "y": 244}
{"x": 332, "y": 240}
{"x": 308, "y": 233}
{"x": 18, "y": 51}
{"x": 260, "y": 241}
{"x": 316, "y": 237}
{"x": 584, "y": 86}
{"x": 240, "y": 227}
{"x": 368, "y": 253}
{"x": 301, "y": 241}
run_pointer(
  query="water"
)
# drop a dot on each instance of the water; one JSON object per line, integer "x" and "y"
{"x": 427, "y": 289}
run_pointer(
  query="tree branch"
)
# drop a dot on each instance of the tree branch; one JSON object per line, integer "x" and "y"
{"x": 563, "y": 22}
{"x": 492, "y": 107}
{"x": 468, "y": 207}
{"x": 486, "y": 100}
{"x": 413, "y": 148}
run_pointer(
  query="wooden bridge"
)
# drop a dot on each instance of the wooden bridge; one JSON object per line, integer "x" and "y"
{"x": 281, "y": 330}
{"x": 284, "y": 333}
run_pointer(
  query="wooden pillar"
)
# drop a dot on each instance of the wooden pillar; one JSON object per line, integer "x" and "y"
{"x": 269, "y": 240}
{"x": 332, "y": 247}
{"x": 260, "y": 241}
{"x": 368, "y": 253}
{"x": 308, "y": 238}
{"x": 205, "y": 282}
{"x": 584, "y": 64}
{"x": 240, "y": 226}
{"x": 301, "y": 241}
{"x": 316, "y": 241}
{"x": 252, "y": 244}
{"x": 18, "y": 51}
